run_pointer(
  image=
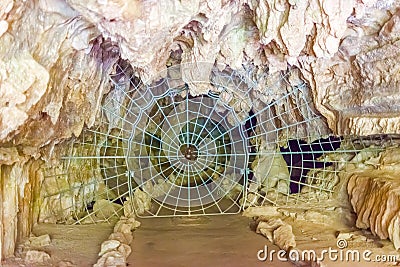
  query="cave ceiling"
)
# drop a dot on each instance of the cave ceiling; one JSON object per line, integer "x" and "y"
{"x": 56, "y": 57}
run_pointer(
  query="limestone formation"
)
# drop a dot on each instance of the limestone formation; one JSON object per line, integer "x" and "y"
{"x": 141, "y": 201}
{"x": 39, "y": 241}
{"x": 35, "y": 256}
{"x": 105, "y": 209}
{"x": 108, "y": 246}
{"x": 277, "y": 232}
{"x": 375, "y": 197}
{"x": 116, "y": 249}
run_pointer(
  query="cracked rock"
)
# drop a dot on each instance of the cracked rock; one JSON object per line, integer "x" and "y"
{"x": 35, "y": 256}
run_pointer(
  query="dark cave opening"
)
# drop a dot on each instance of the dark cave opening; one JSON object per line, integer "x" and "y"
{"x": 250, "y": 130}
{"x": 301, "y": 157}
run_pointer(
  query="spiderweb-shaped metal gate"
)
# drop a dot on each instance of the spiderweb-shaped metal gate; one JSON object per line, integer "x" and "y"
{"x": 164, "y": 152}
{"x": 183, "y": 153}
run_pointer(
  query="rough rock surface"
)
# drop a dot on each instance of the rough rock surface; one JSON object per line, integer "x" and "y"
{"x": 375, "y": 197}
{"x": 319, "y": 37}
{"x": 35, "y": 256}
{"x": 352, "y": 44}
{"x": 39, "y": 241}
{"x": 277, "y": 232}
{"x": 116, "y": 249}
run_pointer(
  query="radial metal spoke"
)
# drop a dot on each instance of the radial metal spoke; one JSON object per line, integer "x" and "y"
{"x": 215, "y": 153}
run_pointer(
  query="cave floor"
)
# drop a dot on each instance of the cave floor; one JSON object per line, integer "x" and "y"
{"x": 199, "y": 241}
{"x": 227, "y": 240}
{"x": 221, "y": 241}
{"x": 71, "y": 245}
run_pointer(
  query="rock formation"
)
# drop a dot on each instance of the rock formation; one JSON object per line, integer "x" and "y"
{"x": 375, "y": 196}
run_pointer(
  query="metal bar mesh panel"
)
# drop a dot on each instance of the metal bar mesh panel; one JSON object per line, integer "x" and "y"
{"x": 163, "y": 152}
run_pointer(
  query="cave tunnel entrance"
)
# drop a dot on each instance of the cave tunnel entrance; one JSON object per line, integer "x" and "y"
{"x": 301, "y": 157}
{"x": 158, "y": 152}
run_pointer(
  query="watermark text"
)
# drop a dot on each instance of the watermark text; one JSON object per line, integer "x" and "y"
{"x": 333, "y": 254}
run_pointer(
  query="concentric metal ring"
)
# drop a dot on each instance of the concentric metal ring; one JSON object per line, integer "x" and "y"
{"x": 189, "y": 147}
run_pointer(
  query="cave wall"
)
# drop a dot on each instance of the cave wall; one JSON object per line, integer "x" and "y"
{"x": 18, "y": 188}
{"x": 55, "y": 57}
{"x": 51, "y": 85}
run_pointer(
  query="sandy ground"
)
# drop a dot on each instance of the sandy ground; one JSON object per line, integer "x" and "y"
{"x": 231, "y": 241}
{"x": 76, "y": 244}
{"x": 317, "y": 237}
{"x": 196, "y": 241}
{"x": 200, "y": 241}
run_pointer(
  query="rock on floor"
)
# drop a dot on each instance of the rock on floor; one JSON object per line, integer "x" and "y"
{"x": 35, "y": 256}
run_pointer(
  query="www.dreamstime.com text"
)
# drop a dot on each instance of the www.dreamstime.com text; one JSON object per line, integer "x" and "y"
{"x": 339, "y": 254}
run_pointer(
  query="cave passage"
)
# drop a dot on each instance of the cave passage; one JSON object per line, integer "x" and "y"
{"x": 301, "y": 157}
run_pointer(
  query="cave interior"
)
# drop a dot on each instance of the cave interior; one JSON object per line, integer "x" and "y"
{"x": 199, "y": 133}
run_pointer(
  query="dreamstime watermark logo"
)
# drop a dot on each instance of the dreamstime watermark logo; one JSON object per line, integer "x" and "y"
{"x": 341, "y": 253}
